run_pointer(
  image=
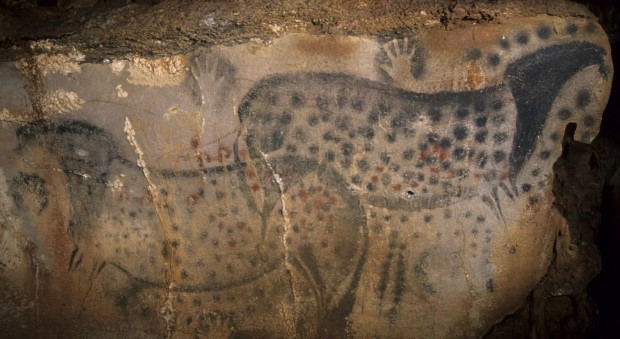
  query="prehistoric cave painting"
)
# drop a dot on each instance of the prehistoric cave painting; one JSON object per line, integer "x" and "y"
{"x": 30, "y": 192}
{"x": 402, "y": 60}
{"x": 427, "y": 155}
{"x": 335, "y": 164}
{"x": 94, "y": 169}
{"x": 208, "y": 231}
{"x": 442, "y": 147}
{"x": 213, "y": 77}
{"x": 393, "y": 266}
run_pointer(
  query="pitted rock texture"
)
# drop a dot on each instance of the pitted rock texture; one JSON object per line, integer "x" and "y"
{"x": 318, "y": 186}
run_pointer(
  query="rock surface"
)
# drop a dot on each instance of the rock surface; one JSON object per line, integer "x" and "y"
{"x": 311, "y": 185}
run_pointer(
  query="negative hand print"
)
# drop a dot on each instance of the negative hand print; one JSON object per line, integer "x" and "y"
{"x": 213, "y": 76}
{"x": 402, "y": 61}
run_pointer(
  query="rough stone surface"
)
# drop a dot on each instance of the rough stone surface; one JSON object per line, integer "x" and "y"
{"x": 114, "y": 28}
{"x": 308, "y": 185}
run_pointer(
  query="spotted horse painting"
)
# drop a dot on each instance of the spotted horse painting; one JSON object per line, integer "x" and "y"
{"x": 408, "y": 194}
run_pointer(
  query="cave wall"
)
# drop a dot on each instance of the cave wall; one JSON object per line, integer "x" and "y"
{"x": 398, "y": 183}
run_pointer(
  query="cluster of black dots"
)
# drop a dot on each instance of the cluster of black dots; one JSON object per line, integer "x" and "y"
{"x": 523, "y": 38}
{"x": 350, "y": 127}
{"x": 582, "y": 101}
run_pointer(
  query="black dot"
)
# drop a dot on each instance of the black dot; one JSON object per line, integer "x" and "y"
{"x": 533, "y": 201}
{"x": 589, "y": 120}
{"x": 291, "y": 148}
{"x": 358, "y": 105}
{"x": 498, "y": 119}
{"x": 384, "y": 108}
{"x": 356, "y": 179}
{"x": 490, "y": 175}
{"x": 367, "y": 132}
{"x": 591, "y": 27}
{"x": 420, "y": 177}
{"x": 480, "y": 105}
{"x": 342, "y": 122}
{"x": 526, "y": 188}
{"x": 480, "y": 219}
{"x": 555, "y": 136}
{"x": 499, "y": 156}
{"x": 459, "y": 154}
{"x": 445, "y": 143}
{"x": 408, "y": 154}
{"x": 399, "y": 121}
{"x": 497, "y": 105}
{"x": 322, "y": 102}
{"x": 313, "y": 120}
{"x": 330, "y": 156}
{"x": 297, "y": 99}
{"x": 493, "y": 59}
{"x": 523, "y": 38}
{"x": 500, "y": 137}
{"x": 571, "y": 29}
{"x": 564, "y": 113}
{"x": 373, "y": 117}
{"x": 535, "y": 172}
{"x": 460, "y": 132}
{"x": 462, "y": 113}
{"x": 432, "y": 138}
{"x": 446, "y": 165}
{"x": 583, "y": 98}
{"x": 585, "y": 136}
{"x": 431, "y": 160}
{"x": 481, "y": 121}
{"x": 427, "y": 218}
{"x": 544, "y": 155}
{"x": 391, "y": 137}
{"x": 434, "y": 114}
{"x": 490, "y": 285}
{"x": 347, "y": 149}
{"x": 286, "y": 118}
{"x": 504, "y": 43}
{"x": 433, "y": 180}
{"x": 462, "y": 173}
{"x": 277, "y": 138}
{"x": 371, "y": 187}
{"x": 314, "y": 149}
{"x": 543, "y": 32}
{"x": 363, "y": 165}
{"x": 481, "y": 136}
{"x": 386, "y": 179}
{"x": 385, "y": 158}
{"x": 325, "y": 116}
{"x": 474, "y": 54}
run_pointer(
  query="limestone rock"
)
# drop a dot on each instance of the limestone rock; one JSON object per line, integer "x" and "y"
{"x": 309, "y": 186}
